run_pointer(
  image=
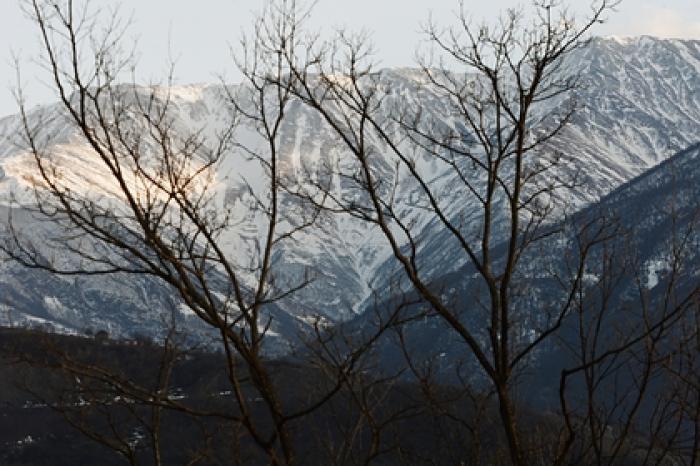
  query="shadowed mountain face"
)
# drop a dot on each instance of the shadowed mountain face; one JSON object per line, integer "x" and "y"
{"x": 646, "y": 269}
{"x": 639, "y": 103}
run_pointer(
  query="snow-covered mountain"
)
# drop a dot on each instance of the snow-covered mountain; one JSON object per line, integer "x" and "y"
{"x": 639, "y": 103}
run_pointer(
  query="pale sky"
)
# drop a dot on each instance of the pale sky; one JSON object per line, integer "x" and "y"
{"x": 200, "y": 31}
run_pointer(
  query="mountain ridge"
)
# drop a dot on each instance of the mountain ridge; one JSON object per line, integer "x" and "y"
{"x": 617, "y": 135}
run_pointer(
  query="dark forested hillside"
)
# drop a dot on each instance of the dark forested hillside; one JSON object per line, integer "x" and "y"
{"x": 45, "y": 414}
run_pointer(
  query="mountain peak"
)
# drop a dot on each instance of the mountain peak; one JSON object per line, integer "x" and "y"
{"x": 622, "y": 40}
{"x": 641, "y": 40}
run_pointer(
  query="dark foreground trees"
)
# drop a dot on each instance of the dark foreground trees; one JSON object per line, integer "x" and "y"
{"x": 144, "y": 204}
{"x": 154, "y": 212}
{"x": 494, "y": 130}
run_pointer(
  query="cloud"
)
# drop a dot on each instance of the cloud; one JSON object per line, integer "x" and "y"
{"x": 661, "y": 22}
{"x": 665, "y": 22}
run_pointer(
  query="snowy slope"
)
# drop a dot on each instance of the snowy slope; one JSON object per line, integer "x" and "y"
{"x": 639, "y": 103}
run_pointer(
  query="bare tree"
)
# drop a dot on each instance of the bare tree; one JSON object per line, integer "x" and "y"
{"x": 625, "y": 395}
{"x": 510, "y": 72}
{"x": 154, "y": 209}
{"x": 492, "y": 134}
